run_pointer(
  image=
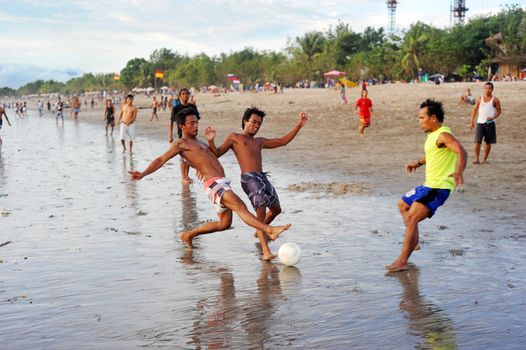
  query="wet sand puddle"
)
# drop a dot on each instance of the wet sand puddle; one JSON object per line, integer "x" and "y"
{"x": 94, "y": 260}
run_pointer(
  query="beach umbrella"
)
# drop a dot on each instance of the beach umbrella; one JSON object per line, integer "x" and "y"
{"x": 524, "y": 70}
{"x": 231, "y": 77}
{"x": 334, "y": 73}
{"x": 150, "y": 89}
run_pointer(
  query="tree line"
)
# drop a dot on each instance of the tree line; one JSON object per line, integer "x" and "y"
{"x": 461, "y": 50}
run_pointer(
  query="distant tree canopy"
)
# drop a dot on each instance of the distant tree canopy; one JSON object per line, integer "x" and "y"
{"x": 461, "y": 49}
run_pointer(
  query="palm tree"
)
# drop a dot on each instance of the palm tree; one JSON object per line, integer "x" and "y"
{"x": 310, "y": 44}
{"x": 413, "y": 47}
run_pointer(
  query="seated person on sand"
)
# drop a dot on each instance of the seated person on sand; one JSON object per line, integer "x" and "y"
{"x": 215, "y": 185}
{"x": 467, "y": 98}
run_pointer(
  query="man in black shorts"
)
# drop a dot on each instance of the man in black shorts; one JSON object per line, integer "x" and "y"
{"x": 488, "y": 109}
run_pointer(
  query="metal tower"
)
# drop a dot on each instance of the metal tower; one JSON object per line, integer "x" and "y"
{"x": 458, "y": 8}
{"x": 391, "y": 6}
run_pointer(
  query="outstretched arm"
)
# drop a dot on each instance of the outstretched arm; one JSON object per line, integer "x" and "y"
{"x": 158, "y": 162}
{"x": 273, "y": 143}
{"x": 453, "y": 144}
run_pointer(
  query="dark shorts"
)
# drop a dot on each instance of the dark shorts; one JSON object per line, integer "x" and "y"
{"x": 432, "y": 198}
{"x": 110, "y": 121}
{"x": 259, "y": 190}
{"x": 486, "y": 131}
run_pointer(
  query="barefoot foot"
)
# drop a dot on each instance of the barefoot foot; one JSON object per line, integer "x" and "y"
{"x": 397, "y": 266}
{"x": 184, "y": 237}
{"x": 269, "y": 257}
{"x": 275, "y": 231}
{"x": 476, "y": 162}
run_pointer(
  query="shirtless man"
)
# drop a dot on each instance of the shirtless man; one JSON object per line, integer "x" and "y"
{"x": 59, "y": 108}
{"x": 127, "y": 121}
{"x": 216, "y": 186}
{"x": 75, "y": 107}
{"x": 2, "y": 115}
{"x": 488, "y": 109}
{"x": 154, "y": 106}
{"x": 254, "y": 182}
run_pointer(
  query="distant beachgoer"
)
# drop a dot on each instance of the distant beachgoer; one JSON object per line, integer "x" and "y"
{"x": 365, "y": 106}
{"x": 467, "y": 98}
{"x": 40, "y": 106}
{"x": 445, "y": 161}
{"x": 343, "y": 97}
{"x": 109, "y": 115}
{"x": 216, "y": 186}
{"x": 59, "y": 110}
{"x": 48, "y": 106}
{"x": 127, "y": 122}
{"x": 92, "y": 104}
{"x": 3, "y": 115}
{"x": 488, "y": 109}
{"x": 183, "y": 102}
{"x": 154, "y": 106}
{"x": 24, "y": 109}
{"x": 364, "y": 85}
{"x": 75, "y": 107}
{"x": 254, "y": 181}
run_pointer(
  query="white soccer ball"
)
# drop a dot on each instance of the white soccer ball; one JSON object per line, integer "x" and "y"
{"x": 289, "y": 254}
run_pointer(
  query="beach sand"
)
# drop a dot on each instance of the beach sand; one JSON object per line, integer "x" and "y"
{"x": 94, "y": 260}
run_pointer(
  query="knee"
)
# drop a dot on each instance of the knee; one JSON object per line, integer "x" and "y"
{"x": 402, "y": 206}
{"x": 275, "y": 211}
{"x": 224, "y": 224}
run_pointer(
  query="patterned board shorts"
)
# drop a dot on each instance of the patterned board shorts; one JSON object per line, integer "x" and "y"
{"x": 259, "y": 189}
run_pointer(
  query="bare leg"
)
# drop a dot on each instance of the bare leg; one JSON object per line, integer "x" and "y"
{"x": 477, "y": 153}
{"x": 225, "y": 221}
{"x": 361, "y": 129}
{"x": 233, "y": 202}
{"x": 131, "y": 146}
{"x": 412, "y": 216}
{"x": 123, "y": 146}
{"x": 487, "y": 148}
{"x": 267, "y": 253}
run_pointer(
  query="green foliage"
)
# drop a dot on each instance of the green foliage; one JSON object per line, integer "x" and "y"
{"x": 370, "y": 54}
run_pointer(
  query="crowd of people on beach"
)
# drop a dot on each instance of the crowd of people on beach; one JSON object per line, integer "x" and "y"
{"x": 444, "y": 157}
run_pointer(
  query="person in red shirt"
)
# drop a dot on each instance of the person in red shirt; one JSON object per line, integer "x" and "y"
{"x": 366, "y": 110}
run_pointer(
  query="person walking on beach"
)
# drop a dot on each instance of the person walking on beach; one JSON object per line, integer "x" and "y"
{"x": 48, "y": 106}
{"x": 109, "y": 115}
{"x": 488, "y": 109}
{"x": 254, "y": 180}
{"x": 127, "y": 122}
{"x": 75, "y": 107}
{"x": 216, "y": 186}
{"x": 92, "y": 104}
{"x": 445, "y": 160}
{"x": 154, "y": 106}
{"x": 183, "y": 102}
{"x": 59, "y": 110}
{"x": 343, "y": 96}
{"x": 365, "y": 107}
{"x": 40, "y": 106}
{"x": 3, "y": 115}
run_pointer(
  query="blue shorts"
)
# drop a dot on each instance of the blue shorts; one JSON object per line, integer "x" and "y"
{"x": 432, "y": 198}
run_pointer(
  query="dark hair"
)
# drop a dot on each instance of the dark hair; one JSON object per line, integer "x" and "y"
{"x": 181, "y": 118}
{"x": 490, "y": 84}
{"x": 184, "y": 90}
{"x": 248, "y": 113}
{"x": 129, "y": 96}
{"x": 434, "y": 108}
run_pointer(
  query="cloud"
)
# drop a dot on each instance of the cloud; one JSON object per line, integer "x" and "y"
{"x": 16, "y": 75}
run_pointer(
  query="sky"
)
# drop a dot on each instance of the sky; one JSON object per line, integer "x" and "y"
{"x": 61, "y": 39}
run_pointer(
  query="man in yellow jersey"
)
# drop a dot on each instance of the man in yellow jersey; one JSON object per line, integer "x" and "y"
{"x": 445, "y": 159}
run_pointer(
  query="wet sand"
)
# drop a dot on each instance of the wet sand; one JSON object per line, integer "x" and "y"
{"x": 95, "y": 260}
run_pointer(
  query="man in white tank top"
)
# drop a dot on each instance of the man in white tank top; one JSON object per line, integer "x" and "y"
{"x": 486, "y": 110}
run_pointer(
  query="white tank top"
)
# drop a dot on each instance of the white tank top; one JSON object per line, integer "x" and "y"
{"x": 486, "y": 109}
